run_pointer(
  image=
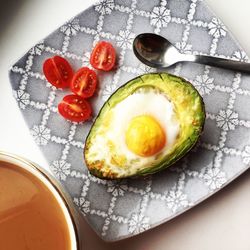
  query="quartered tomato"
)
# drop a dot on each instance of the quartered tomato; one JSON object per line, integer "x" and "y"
{"x": 74, "y": 108}
{"x": 103, "y": 56}
{"x": 84, "y": 82}
{"x": 58, "y": 71}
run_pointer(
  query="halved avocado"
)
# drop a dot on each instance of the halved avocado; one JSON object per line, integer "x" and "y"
{"x": 189, "y": 108}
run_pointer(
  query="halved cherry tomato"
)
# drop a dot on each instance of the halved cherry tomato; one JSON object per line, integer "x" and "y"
{"x": 103, "y": 56}
{"x": 84, "y": 82}
{"x": 74, "y": 108}
{"x": 58, "y": 71}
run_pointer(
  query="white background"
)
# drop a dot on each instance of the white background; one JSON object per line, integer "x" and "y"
{"x": 221, "y": 222}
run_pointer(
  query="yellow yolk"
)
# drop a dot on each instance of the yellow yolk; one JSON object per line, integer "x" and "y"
{"x": 145, "y": 136}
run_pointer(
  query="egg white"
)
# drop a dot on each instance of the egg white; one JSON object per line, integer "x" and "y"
{"x": 142, "y": 103}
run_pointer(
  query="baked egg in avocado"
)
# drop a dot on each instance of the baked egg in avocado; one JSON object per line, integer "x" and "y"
{"x": 145, "y": 126}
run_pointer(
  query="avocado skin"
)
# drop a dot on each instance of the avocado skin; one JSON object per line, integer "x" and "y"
{"x": 97, "y": 169}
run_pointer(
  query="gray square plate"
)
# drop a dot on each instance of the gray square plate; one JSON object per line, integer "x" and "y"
{"x": 121, "y": 209}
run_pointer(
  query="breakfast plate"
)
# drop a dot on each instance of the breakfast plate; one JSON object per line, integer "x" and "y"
{"x": 120, "y": 209}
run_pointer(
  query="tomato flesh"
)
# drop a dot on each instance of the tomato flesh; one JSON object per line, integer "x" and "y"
{"x": 84, "y": 82}
{"x": 75, "y": 108}
{"x": 58, "y": 71}
{"x": 103, "y": 56}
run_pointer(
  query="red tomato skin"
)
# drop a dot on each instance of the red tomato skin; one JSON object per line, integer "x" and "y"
{"x": 84, "y": 82}
{"x": 58, "y": 71}
{"x": 102, "y": 52}
{"x": 70, "y": 108}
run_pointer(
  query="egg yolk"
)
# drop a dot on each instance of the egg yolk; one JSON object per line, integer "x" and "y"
{"x": 145, "y": 136}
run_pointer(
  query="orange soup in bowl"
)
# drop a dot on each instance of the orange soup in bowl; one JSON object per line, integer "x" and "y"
{"x": 33, "y": 215}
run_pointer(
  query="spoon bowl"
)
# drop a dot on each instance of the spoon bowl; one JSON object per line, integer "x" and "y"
{"x": 157, "y": 52}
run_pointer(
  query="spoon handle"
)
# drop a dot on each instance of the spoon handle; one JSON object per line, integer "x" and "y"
{"x": 223, "y": 63}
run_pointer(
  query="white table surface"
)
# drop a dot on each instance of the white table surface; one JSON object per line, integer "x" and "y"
{"x": 221, "y": 222}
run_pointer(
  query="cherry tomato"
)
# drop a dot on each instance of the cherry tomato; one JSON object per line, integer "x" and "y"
{"x": 74, "y": 108}
{"x": 84, "y": 82}
{"x": 103, "y": 56}
{"x": 58, "y": 71}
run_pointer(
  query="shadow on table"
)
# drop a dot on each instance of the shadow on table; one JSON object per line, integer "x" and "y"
{"x": 8, "y": 10}
{"x": 167, "y": 231}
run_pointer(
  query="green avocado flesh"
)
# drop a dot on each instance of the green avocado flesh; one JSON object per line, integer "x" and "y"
{"x": 105, "y": 160}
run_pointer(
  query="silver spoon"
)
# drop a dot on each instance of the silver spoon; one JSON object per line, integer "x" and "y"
{"x": 157, "y": 52}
